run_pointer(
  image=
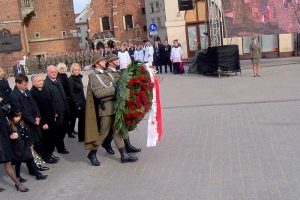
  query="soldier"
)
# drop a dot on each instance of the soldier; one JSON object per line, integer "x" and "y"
{"x": 69, "y": 61}
{"x": 82, "y": 59}
{"x": 52, "y": 58}
{"x": 86, "y": 58}
{"x": 112, "y": 65}
{"x": 28, "y": 64}
{"x": 35, "y": 64}
{"x": 43, "y": 64}
{"x": 101, "y": 89}
{"x": 57, "y": 59}
{"x": 78, "y": 59}
{"x": 63, "y": 58}
{"x": 73, "y": 58}
{"x": 48, "y": 60}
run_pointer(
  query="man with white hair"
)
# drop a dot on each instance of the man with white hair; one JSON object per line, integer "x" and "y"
{"x": 47, "y": 123}
{"x": 60, "y": 104}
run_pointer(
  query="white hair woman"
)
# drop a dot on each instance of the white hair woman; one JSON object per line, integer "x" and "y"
{"x": 77, "y": 100}
{"x": 63, "y": 77}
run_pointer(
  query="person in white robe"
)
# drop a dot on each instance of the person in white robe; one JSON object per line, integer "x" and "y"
{"x": 124, "y": 58}
{"x": 139, "y": 54}
{"x": 148, "y": 49}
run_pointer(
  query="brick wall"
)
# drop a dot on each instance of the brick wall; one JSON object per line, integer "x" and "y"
{"x": 52, "y": 18}
{"x": 104, "y": 8}
{"x": 10, "y": 11}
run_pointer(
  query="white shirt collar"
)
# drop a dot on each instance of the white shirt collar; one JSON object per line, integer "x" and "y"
{"x": 100, "y": 70}
{"x": 112, "y": 69}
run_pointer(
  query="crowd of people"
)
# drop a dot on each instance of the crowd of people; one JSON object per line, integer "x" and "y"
{"x": 161, "y": 54}
{"x": 35, "y": 121}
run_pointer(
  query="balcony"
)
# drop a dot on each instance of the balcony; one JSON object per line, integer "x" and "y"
{"x": 27, "y": 8}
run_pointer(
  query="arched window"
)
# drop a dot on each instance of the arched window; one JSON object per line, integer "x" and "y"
{"x": 128, "y": 21}
{"x": 105, "y": 24}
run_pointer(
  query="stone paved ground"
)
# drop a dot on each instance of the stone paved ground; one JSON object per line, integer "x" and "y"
{"x": 230, "y": 138}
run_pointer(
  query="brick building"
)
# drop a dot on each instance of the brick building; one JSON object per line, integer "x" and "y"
{"x": 121, "y": 20}
{"x": 45, "y": 27}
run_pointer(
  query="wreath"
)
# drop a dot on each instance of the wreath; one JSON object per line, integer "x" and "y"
{"x": 133, "y": 97}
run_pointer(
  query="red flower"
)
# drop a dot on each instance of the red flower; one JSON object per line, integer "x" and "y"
{"x": 135, "y": 115}
{"x": 147, "y": 108}
{"x": 127, "y": 122}
{"x": 132, "y": 107}
{"x": 131, "y": 92}
{"x": 141, "y": 77}
{"x": 139, "y": 105}
{"x": 141, "y": 83}
{"x": 143, "y": 69}
{"x": 135, "y": 80}
{"x": 130, "y": 83}
{"x": 137, "y": 99}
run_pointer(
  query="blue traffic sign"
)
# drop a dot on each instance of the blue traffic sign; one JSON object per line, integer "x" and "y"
{"x": 153, "y": 27}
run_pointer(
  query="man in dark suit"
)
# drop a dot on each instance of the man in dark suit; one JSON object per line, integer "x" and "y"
{"x": 47, "y": 124}
{"x": 157, "y": 56}
{"x": 131, "y": 52}
{"x": 20, "y": 98}
{"x": 60, "y": 105}
{"x": 166, "y": 56}
{"x": 18, "y": 69}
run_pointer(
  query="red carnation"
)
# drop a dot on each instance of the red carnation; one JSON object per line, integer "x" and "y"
{"x": 132, "y": 107}
{"x": 127, "y": 122}
{"x": 139, "y": 105}
{"x": 130, "y": 83}
{"x": 143, "y": 69}
{"x": 135, "y": 115}
{"x": 147, "y": 108}
{"x": 137, "y": 99}
{"x": 141, "y": 83}
{"x": 141, "y": 77}
{"x": 135, "y": 80}
{"x": 131, "y": 92}
{"x": 127, "y": 116}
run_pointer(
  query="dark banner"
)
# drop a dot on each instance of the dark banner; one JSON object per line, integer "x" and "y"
{"x": 261, "y": 17}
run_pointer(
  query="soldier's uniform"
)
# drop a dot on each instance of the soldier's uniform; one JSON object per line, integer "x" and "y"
{"x": 57, "y": 59}
{"x": 87, "y": 58}
{"x": 100, "y": 83}
{"x": 53, "y": 62}
{"x": 63, "y": 59}
{"x": 69, "y": 62}
{"x": 48, "y": 60}
{"x": 82, "y": 59}
{"x": 78, "y": 59}
{"x": 28, "y": 64}
{"x": 115, "y": 76}
{"x": 43, "y": 65}
{"x": 35, "y": 64}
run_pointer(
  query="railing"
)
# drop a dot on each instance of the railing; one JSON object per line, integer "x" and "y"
{"x": 27, "y": 3}
{"x": 27, "y": 8}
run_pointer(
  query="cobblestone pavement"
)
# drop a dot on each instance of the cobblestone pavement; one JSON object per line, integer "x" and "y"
{"x": 225, "y": 138}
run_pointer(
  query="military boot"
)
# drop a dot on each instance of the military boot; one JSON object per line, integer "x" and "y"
{"x": 125, "y": 157}
{"x": 93, "y": 158}
{"x": 129, "y": 147}
{"x": 107, "y": 145}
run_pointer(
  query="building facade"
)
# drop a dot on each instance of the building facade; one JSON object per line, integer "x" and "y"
{"x": 123, "y": 21}
{"x": 192, "y": 29}
{"x": 45, "y": 27}
{"x": 155, "y": 13}
{"x": 81, "y": 20}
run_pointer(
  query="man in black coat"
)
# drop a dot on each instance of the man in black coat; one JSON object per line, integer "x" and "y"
{"x": 47, "y": 124}
{"x": 60, "y": 105}
{"x": 157, "y": 56}
{"x": 131, "y": 52}
{"x": 21, "y": 99}
{"x": 166, "y": 55}
{"x": 18, "y": 69}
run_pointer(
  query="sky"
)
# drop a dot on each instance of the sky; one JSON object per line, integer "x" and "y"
{"x": 79, "y": 5}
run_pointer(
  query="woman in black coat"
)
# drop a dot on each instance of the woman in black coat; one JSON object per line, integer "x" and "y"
{"x": 6, "y": 153}
{"x": 5, "y": 89}
{"x": 63, "y": 77}
{"x": 77, "y": 99}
